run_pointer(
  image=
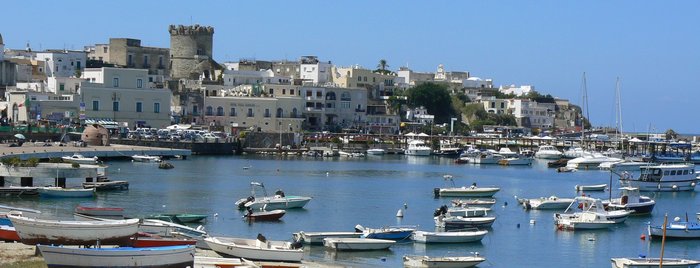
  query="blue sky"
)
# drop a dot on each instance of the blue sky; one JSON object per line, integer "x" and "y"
{"x": 653, "y": 46}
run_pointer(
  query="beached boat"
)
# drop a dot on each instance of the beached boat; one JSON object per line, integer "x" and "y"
{"x": 515, "y": 161}
{"x": 471, "y": 191}
{"x": 456, "y": 222}
{"x": 485, "y": 203}
{"x": 4, "y": 210}
{"x": 178, "y": 218}
{"x": 459, "y": 236}
{"x": 390, "y": 233}
{"x": 8, "y": 233}
{"x": 441, "y": 262}
{"x": 545, "y": 203}
{"x": 38, "y": 231}
{"x": 144, "y": 240}
{"x": 80, "y": 159}
{"x": 317, "y": 237}
{"x": 265, "y": 202}
{"x": 632, "y": 200}
{"x": 273, "y": 215}
{"x": 673, "y": 177}
{"x": 60, "y": 192}
{"x": 376, "y": 151}
{"x": 173, "y": 256}
{"x": 102, "y": 212}
{"x": 653, "y": 263}
{"x": 357, "y": 244}
{"x": 255, "y": 249}
{"x": 216, "y": 262}
{"x": 145, "y": 158}
{"x": 676, "y": 229}
{"x": 548, "y": 152}
{"x": 589, "y": 188}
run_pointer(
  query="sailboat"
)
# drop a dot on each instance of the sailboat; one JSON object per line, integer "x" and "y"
{"x": 574, "y": 151}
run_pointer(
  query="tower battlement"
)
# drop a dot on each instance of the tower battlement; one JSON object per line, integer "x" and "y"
{"x": 190, "y": 30}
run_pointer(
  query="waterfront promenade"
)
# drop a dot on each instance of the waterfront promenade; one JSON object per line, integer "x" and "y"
{"x": 38, "y": 150}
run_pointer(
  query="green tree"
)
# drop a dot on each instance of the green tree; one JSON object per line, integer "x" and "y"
{"x": 671, "y": 134}
{"x": 435, "y": 98}
{"x": 382, "y": 67}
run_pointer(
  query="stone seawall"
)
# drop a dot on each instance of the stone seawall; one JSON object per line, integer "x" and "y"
{"x": 202, "y": 148}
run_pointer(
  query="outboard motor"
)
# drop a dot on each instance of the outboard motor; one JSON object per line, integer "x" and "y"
{"x": 296, "y": 245}
{"x": 443, "y": 209}
{"x": 262, "y": 238}
{"x": 359, "y": 228}
{"x": 279, "y": 192}
{"x": 436, "y": 191}
{"x": 436, "y": 213}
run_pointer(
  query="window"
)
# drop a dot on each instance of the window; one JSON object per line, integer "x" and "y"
{"x": 250, "y": 112}
{"x": 345, "y": 104}
{"x": 291, "y": 92}
{"x": 156, "y": 107}
{"x": 309, "y": 93}
{"x": 673, "y": 172}
{"x": 345, "y": 96}
{"x": 365, "y": 78}
{"x": 139, "y": 107}
{"x": 139, "y": 83}
{"x": 284, "y": 91}
{"x": 319, "y": 94}
{"x": 115, "y": 106}
{"x": 270, "y": 91}
{"x": 279, "y": 112}
{"x": 359, "y": 78}
{"x": 145, "y": 60}
{"x": 267, "y": 112}
{"x": 232, "y": 112}
{"x": 160, "y": 62}
{"x": 95, "y": 105}
{"x": 129, "y": 60}
{"x": 104, "y": 49}
{"x": 209, "y": 111}
{"x": 503, "y": 105}
{"x": 115, "y": 82}
{"x": 219, "y": 111}
{"x": 62, "y": 87}
{"x": 77, "y": 65}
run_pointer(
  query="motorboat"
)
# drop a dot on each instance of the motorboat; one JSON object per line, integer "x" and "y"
{"x": 102, "y": 212}
{"x": 451, "y": 262}
{"x": 178, "y": 217}
{"x": 418, "y": 147}
{"x": 676, "y": 229}
{"x": 80, "y": 159}
{"x": 265, "y": 202}
{"x": 448, "y": 148}
{"x": 557, "y": 163}
{"x": 632, "y": 200}
{"x": 487, "y": 158}
{"x": 581, "y": 221}
{"x": 623, "y": 165}
{"x": 589, "y": 188}
{"x": 317, "y": 237}
{"x": 516, "y": 161}
{"x": 172, "y": 256}
{"x": 457, "y": 222}
{"x": 653, "y": 263}
{"x": 390, "y": 232}
{"x": 376, "y": 151}
{"x": 548, "y": 152}
{"x": 357, "y": 244}
{"x": 588, "y": 204}
{"x": 574, "y": 152}
{"x": 145, "y": 240}
{"x": 273, "y": 215}
{"x": 485, "y": 203}
{"x": 8, "y": 233}
{"x": 145, "y": 158}
{"x": 471, "y": 191}
{"x": 458, "y": 236}
{"x": 663, "y": 178}
{"x": 462, "y": 160}
{"x": 60, "y": 192}
{"x": 467, "y": 211}
{"x": 39, "y": 231}
{"x": 255, "y": 249}
{"x": 506, "y": 152}
{"x": 547, "y": 203}
{"x": 590, "y": 161}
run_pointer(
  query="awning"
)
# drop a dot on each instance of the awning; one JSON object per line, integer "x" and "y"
{"x": 105, "y": 122}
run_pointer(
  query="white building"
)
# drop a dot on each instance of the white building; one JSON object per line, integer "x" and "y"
{"x": 517, "y": 90}
{"x": 62, "y": 63}
{"x": 476, "y": 82}
{"x": 125, "y": 96}
{"x": 315, "y": 71}
{"x": 420, "y": 115}
{"x": 532, "y": 114}
{"x": 334, "y": 107}
{"x": 236, "y": 77}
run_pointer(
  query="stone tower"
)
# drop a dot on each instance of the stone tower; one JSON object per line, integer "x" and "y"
{"x": 191, "y": 51}
{"x": 2, "y": 49}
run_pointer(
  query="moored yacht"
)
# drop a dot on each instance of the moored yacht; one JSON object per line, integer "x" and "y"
{"x": 548, "y": 152}
{"x": 418, "y": 147}
{"x": 674, "y": 177}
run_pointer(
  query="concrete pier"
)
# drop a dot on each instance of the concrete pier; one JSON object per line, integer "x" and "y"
{"x": 27, "y": 151}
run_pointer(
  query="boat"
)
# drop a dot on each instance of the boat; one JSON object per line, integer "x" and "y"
{"x": 485, "y": 203}
{"x": 278, "y": 201}
{"x": 487, "y": 158}
{"x": 417, "y": 147}
{"x": 256, "y": 249}
{"x": 548, "y": 152}
{"x": 169, "y": 229}
{"x": 106, "y": 185}
{"x": 574, "y": 152}
{"x": 515, "y": 161}
{"x": 581, "y": 221}
{"x": 19, "y": 191}
{"x": 624, "y": 165}
{"x": 547, "y": 203}
{"x": 165, "y": 165}
{"x": 8, "y": 233}
{"x": 80, "y": 159}
{"x": 471, "y": 191}
{"x": 376, "y": 151}
{"x": 144, "y": 240}
{"x": 5, "y": 210}
{"x": 457, "y": 222}
{"x": 103, "y": 212}
{"x": 357, "y": 244}
{"x": 178, "y": 218}
{"x": 632, "y": 200}
{"x": 462, "y": 160}
{"x": 173, "y": 256}
{"x": 38, "y": 231}
{"x": 60, "y": 192}
{"x": 588, "y": 204}
{"x": 448, "y": 148}
{"x": 441, "y": 262}
{"x": 145, "y": 158}
{"x": 663, "y": 178}
{"x": 390, "y": 233}
{"x": 459, "y": 236}
{"x": 506, "y": 152}
{"x": 589, "y": 188}
{"x": 317, "y": 237}
{"x": 215, "y": 262}
{"x": 466, "y": 211}
{"x": 653, "y": 263}
{"x": 557, "y": 163}
{"x": 273, "y": 215}
{"x": 676, "y": 229}
{"x": 590, "y": 161}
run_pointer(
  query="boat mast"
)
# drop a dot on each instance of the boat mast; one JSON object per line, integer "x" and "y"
{"x": 584, "y": 108}
{"x": 618, "y": 114}
{"x": 663, "y": 241}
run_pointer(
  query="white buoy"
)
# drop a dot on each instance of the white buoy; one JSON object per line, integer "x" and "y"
{"x": 399, "y": 214}
{"x": 328, "y": 173}
{"x": 405, "y": 206}
{"x": 532, "y": 222}
{"x": 216, "y": 215}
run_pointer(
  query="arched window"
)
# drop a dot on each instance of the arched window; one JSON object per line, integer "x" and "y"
{"x": 209, "y": 111}
{"x": 345, "y": 96}
{"x": 294, "y": 113}
{"x": 330, "y": 96}
{"x": 232, "y": 112}
{"x": 219, "y": 111}
{"x": 279, "y": 112}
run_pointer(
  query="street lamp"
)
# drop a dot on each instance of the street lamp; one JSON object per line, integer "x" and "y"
{"x": 452, "y": 124}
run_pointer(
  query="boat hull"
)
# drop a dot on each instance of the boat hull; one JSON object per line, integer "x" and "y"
{"x": 357, "y": 244}
{"x": 8, "y": 233}
{"x": 66, "y": 193}
{"x": 161, "y": 257}
{"x": 597, "y": 187}
{"x": 318, "y": 237}
{"x": 274, "y": 215}
{"x": 242, "y": 248}
{"x": 35, "y": 231}
{"x": 661, "y": 186}
{"x": 145, "y": 242}
{"x": 652, "y": 263}
{"x": 468, "y": 192}
{"x": 676, "y": 231}
{"x": 448, "y": 237}
{"x": 100, "y": 212}
{"x": 272, "y": 203}
{"x": 441, "y": 262}
{"x": 452, "y": 223}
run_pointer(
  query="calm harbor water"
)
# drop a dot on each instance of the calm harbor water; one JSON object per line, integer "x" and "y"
{"x": 369, "y": 191}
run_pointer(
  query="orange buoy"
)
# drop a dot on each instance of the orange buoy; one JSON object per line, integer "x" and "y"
{"x": 643, "y": 237}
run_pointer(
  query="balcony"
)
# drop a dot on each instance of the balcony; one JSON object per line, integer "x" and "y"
{"x": 314, "y": 109}
{"x": 360, "y": 110}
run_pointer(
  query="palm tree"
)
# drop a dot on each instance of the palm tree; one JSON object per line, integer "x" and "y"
{"x": 382, "y": 67}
